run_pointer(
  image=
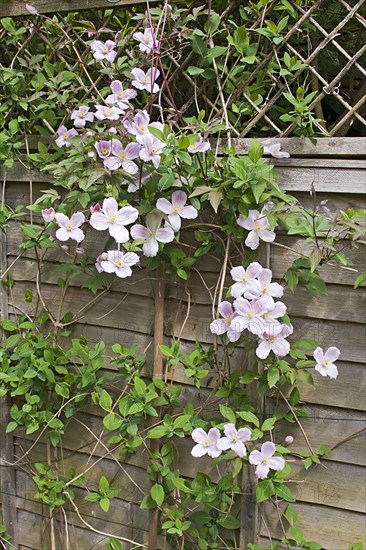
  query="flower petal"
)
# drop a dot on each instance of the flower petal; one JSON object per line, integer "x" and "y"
{"x": 224, "y": 444}
{"x": 138, "y": 231}
{"x": 150, "y": 248}
{"x": 213, "y": 435}
{"x": 110, "y": 206}
{"x": 252, "y": 240}
{"x": 119, "y": 233}
{"x": 263, "y": 350}
{"x": 127, "y": 215}
{"x": 218, "y": 327}
{"x": 230, "y": 430}
{"x": 99, "y": 221}
{"x": 244, "y": 434}
{"x": 276, "y": 463}
{"x": 255, "y": 457}
{"x": 239, "y": 448}
{"x": 268, "y": 449}
{"x": 262, "y": 471}
{"x": 199, "y": 450}
{"x": 179, "y": 199}
{"x": 199, "y": 435}
{"x": 332, "y": 354}
{"x": 165, "y": 235}
{"x": 62, "y": 234}
{"x": 164, "y": 206}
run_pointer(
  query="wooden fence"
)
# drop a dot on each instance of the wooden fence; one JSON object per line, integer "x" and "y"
{"x": 330, "y": 496}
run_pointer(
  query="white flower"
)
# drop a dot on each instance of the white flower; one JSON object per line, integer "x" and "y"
{"x": 234, "y": 440}
{"x": 206, "y": 442}
{"x": 114, "y": 219}
{"x": 258, "y": 226}
{"x": 264, "y": 460}
{"x": 177, "y": 209}
{"x": 325, "y": 361}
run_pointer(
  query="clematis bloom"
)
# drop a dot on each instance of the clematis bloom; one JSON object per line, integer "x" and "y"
{"x": 64, "y": 136}
{"x": 152, "y": 234}
{"x": 119, "y": 96}
{"x": 121, "y": 157}
{"x": 242, "y": 277}
{"x": 114, "y": 219}
{"x": 234, "y": 439}
{"x": 120, "y": 263}
{"x": 104, "y": 50}
{"x": 200, "y": 146}
{"x": 151, "y": 149}
{"x": 146, "y": 81}
{"x": 250, "y": 314}
{"x": 108, "y": 113}
{"x": 258, "y": 226}
{"x": 263, "y": 287}
{"x": 274, "y": 340}
{"x": 81, "y": 116}
{"x": 230, "y": 323}
{"x": 48, "y": 214}
{"x": 275, "y": 151}
{"x": 147, "y": 40}
{"x": 265, "y": 461}
{"x": 69, "y": 228}
{"x": 177, "y": 209}
{"x": 206, "y": 442}
{"x": 325, "y": 361}
{"x": 104, "y": 148}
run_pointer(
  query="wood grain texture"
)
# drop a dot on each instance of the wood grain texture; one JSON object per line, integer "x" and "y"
{"x": 334, "y": 529}
{"x": 302, "y": 147}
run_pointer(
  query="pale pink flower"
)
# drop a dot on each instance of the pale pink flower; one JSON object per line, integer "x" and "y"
{"x": 48, "y": 214}
{"x": 151, "y": 149}
{"x": 243, "y": 276}
{"x": 206, "y": 442}
{"x": 275, "y": 151}
{"x": 114, "y": 219}
{"x": 271, "y": 316}
{"x": 120, "y": 263}
{"x": 152, "y": 234}
{"x": 250, "y": 314}
{"x": 123, "y": 157}
{"x": 104, "y": 148}
{"x": 81, "y": 116}
{"x": 64, "y": 136}
{"x": 257, "y": 288}
{"x": 100, "y": 261}
{"x": 177, "y": 209}
{"x": 69, "y": 228}
{"x": 234, "y": 439}
{"x": 274, "y": 340}
{"x": 107, "y": 113}
{"x": 104, "y": 50}
{"x": 119, "y": 96}
{"x": 140, "y": 125}
{"x": 146, "y": 81}
{"x": 264, "y": 460}
{"x": 325, "y": 361}
{"x": 147, "y": 40}
{"x": 200, "y": 146}
{"x": 230, "y": 323}
{"x": 258, "y": 226}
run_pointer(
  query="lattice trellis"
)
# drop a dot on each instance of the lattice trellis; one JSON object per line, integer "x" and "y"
{"x": 327, "y": 37}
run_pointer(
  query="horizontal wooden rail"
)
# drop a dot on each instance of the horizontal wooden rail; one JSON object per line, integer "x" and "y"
{"x": 11, "y": 8}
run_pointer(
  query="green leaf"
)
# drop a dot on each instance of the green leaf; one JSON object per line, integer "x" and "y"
{"x": 104, "y": 503}
{"x": 158, "y": 432}
{"x": 166, "y": 351}
{"x": 63, "y": 390}
{"x": 249, "y": 417}
{"x": 360, "y": 279}
{"x": 284, "y": 492}
{"x": 228, "y": 413}
{"x": 105, "y": 401}
{"x": 255, "y": 151}
{"x": 11, "y": 427}
{"x": 273, "y": 376}
{"x": 157, "y": 494}
{"x": 265, "y": 489}
{"x": 9, "y": 326}
{"x": 296, "y": 534}
{"x": 103, "y": 484}
{"x": 195, "y": 71}
{"x": 229, "y": 522}
{"x": 268, "y": 424}
{"x": 291, "y": 514}
{"x": 112, "y": 422}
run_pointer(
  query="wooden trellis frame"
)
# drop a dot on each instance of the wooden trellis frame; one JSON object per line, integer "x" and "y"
{"x": 328, "y": 43}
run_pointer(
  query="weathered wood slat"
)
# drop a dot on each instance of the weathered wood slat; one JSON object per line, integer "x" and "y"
{"x": 302, "y": 147}
{"x": 329, "y": 426}
{"x": 11, "y": 8}
{"x": 334, "y": 529}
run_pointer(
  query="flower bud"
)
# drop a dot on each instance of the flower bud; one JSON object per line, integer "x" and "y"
{"x": 80, "y": 251}
{"x": 95, "y": 208}
{"x": 289, "y": 439}
{"x": 65, "y": 247}
{"x": 112, "y": 130}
